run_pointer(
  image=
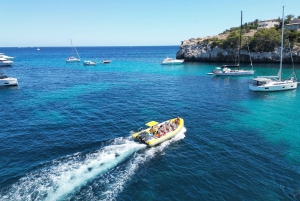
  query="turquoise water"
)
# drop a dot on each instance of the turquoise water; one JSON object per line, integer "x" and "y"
{"x": 66, "y": 130}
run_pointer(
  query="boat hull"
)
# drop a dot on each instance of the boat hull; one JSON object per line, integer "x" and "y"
{"x": 9, "y": 81}
{"x": 6, "y": 63}
{"x": 73, "y": 60}
{"x": 284, "y": 86}
{"x": 157, "y": 140}
{"x": 105, "y": 61}
{"x": 172, "y": 62}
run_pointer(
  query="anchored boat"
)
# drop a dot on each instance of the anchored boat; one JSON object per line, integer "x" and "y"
{"x": 157, "y": 133}
{"x": 170, "y": 61}
{"x": 90, "y": 63}
{"x": 7, "y": 81}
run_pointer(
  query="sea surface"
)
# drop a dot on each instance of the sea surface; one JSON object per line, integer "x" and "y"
{"x": 66, "y": 129}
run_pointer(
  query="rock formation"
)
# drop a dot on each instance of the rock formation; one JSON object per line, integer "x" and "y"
{"x": 199, "y": 51}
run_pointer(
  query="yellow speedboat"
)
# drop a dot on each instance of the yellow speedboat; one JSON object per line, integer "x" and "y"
{"x": 157, "y": 133}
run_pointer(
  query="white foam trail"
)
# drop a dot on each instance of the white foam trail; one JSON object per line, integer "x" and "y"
{"x": 117, "y": 186}
{"x": 66, "y": 176}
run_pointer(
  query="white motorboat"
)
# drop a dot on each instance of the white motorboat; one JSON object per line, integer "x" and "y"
{"x": 275, "y": 83}
{"x": 5, "y": 62}
{"x": 7, "y": 81}
{"x": 38, "y": 49}
{"x": 170, "y": 61}
{"x": 89, "y": 63}
{"x": 105, "y": 61}
{"x": 226, "y": 70}
{"x": 73, "y": 58}
{"x": 6, "y": 57}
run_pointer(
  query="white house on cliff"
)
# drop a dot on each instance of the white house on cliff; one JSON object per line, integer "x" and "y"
{"x": 293, "y": 25}
{"x": 267, "y": 24}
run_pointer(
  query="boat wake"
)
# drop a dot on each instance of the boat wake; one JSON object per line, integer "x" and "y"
{"x": 100, "y": 175}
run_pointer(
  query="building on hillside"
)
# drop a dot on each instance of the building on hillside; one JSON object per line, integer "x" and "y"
{"x": 293, "y": 25}
{"x": 251, "y": 23}
{"x": 266, "y": 24}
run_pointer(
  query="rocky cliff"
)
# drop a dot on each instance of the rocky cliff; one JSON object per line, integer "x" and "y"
{"x": 199, "y": 51}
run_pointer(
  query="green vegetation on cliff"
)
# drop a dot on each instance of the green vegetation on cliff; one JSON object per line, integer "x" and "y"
{"x": 262, "y": 40}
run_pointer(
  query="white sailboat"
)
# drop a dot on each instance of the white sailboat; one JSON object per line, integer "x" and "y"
{"x": 73, "y": 58}
{"x": 275, "y": 83}
{"x": 226, "y": 70}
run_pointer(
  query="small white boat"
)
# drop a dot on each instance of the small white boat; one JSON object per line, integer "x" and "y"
{"x": 89, "y": 63}
{"x": 105, "y": 61}
{"x": 159, "y": 132}
{"x": 38, "y": 49}
{"x": 170, "y": 61}
{"x": 7, "y": 81}
{"x": 6, "y": 57}
{"x": 73, "y": 59}
{"x": 225, "y": 70}
{"x": 5, "y": 62}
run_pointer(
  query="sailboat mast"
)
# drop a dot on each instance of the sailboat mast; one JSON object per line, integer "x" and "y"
{"x": 74, "y": 49}
{"x": 240, "y": 40}
{"x": 281, "y": 49}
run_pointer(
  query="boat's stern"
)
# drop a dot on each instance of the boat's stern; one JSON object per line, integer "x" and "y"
{"x": 135, "y": 135}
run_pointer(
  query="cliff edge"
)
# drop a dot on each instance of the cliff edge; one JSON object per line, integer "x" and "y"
{"x": 199, "y": 50}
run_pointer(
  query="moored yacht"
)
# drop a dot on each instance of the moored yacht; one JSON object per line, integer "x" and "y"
{"x": 3, "y": 56}
{"x": 105, "y": 61}
{"x": 89, "y": 63}
{"x": 5, "y": 62}
{"x": 73, "y": 58}
{"x": 226, "y": 70}
{"x": 7, "y": 81}
{"x": 272, "y": 83}
{"x": 170, "y": 61}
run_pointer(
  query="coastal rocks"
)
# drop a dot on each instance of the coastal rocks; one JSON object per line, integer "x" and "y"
{"x": 196, "y": 50}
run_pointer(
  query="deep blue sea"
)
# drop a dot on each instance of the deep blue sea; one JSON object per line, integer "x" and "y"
{"x": 66, "y": 129}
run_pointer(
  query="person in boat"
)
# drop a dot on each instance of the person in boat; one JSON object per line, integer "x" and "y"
{"x": 162, "y": 130}
{"x": 178, "y": 120}
{"x": 173, "y": 125}
{"x": 151, "y": 130}
{"x": 158, "y": 133}
{"x": 167, "y": 127}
